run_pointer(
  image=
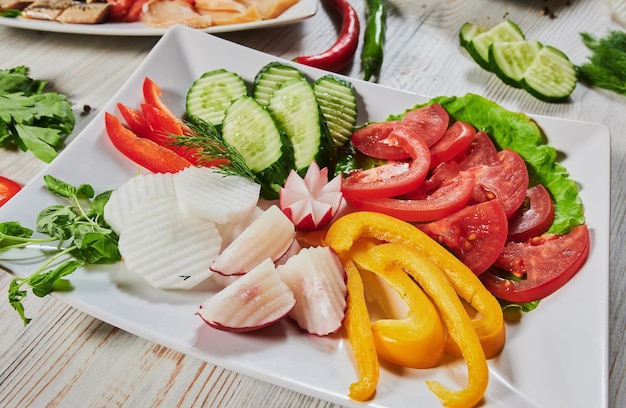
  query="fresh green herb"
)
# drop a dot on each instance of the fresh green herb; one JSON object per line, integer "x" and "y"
{"x": 79, "y": 230}
{"x": 607, "y": 64}
{"x": 30, "y": 118}
{"x": 12, "y": 13}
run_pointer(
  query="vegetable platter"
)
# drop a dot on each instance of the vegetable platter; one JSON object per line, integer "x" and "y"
{"x": 554, "y": 356}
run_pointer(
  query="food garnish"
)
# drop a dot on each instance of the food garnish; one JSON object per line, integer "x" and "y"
{"x": 606, "y": 67}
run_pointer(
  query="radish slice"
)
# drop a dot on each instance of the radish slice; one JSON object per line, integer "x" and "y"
{"x": 270, "y": 235}
{"x": 318, "y": 280}
{"x": 205, "y": 192}
{"x": 255, "y": 300}
{"x": 232, "y": 230}
{"x": 132, "y": 192}
{"x": 169, "y": 249}
{"x": 311, "y": 202}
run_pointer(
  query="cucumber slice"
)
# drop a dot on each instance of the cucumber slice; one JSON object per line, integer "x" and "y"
{"x": 510, "y": 60}
{"x": 478, "y": 47}
{"x": 250, "y": 129}
{"x": 337, "y": 100}
{"x": 296, "y": 111}
{"x": 468, "y": 32}
{"x": 271, "y": 77}
{"x": 212, "y": 93}
{"x": 551, "y": 77}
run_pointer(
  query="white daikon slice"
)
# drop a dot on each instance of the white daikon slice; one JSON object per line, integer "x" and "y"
{"x": 318, "y": 281}
{"x": 134, "y": 190}
{"x": 256, "y": 299}
{"x": 270, "y": 235}
{"x": 205, "y": 192}
{"x": 169, "y": 249}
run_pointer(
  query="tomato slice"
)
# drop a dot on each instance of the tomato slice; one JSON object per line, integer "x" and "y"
{"x": 8, "y": 188}
{"x": 545, "y": 263}
{"x": 506, "y": 181}
{"x": 392, "y": 178}
{"x": 372, "y": 140}
{"x": 454, "y": 141}
{"x": 445, "y": 199}
{"x": 476, "y": 234}
{"x": 534, "y": 217}
{"x": 481, "y": 151}
{"x": 430, "y": 122}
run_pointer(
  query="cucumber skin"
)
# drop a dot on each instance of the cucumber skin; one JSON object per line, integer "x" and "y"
{"x": 468, "y": 32}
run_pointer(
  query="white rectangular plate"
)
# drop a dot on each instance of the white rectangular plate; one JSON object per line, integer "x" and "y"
{"x": 298, "y": 12}
{"x": 555, "y": 356}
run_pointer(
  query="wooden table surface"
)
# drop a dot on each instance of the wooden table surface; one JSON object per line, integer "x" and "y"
{"x": 66, "y": 358}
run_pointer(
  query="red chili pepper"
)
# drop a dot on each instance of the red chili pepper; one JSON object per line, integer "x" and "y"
{"x": 144, "y": 152}
{"x": 339, "y": 55}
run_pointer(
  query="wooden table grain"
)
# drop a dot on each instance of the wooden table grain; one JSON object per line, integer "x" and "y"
{"x": 66, "y": 358}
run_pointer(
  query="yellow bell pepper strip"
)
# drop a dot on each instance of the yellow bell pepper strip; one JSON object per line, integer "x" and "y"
{"x": 357, "y": 325}
{"x": 417, "y": 341}
{"x": 489, "y": 321}
{"x": 435, "y": 283}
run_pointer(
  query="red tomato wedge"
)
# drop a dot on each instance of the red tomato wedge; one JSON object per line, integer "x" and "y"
{"x": 392, "y": 178}
{"x": 430, "y": 122}
{"x": 454, "y": 141}
{"x": 476, "y": 234}
{"x": 142, "y": 151}
{"x": 544, "y": 263}
{"x": 445, "y": 199}
{"x": 506, "y": 181}
{"x": 481, "y": 151}
{"x": 534, "y": 217}
{"x": 8, "y": 188}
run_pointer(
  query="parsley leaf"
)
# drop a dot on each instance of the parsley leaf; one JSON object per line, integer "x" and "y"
{"x": 80, "y": 231}
{"x": 30, "y": 118}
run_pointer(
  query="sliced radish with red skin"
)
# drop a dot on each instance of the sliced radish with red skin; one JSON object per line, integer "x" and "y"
{"x": 270, "y": 235}
{"x": 311, "y": 202}
{"x": 255, "y": 300}
{"x": 318, "y": 281}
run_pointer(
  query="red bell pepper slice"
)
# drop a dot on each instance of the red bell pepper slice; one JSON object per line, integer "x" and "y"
{"x": 144, "y": 152}
{"x": 8, "y": 188}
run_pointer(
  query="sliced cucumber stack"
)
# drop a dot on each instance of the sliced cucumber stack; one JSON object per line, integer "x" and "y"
{"x": 543, "y": 71}
{"x": 212, "y": 93}
{"x": 337, "y": 100}
{"x": 478, "y": 46}
{"x": 296, "y": 111}
{"x": 250, "y": 129}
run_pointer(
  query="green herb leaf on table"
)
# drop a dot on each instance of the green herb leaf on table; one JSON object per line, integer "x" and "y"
{"x": 30, "y": 118}
{"x": 80, "y": 232}
{"x": 607, "y": 64}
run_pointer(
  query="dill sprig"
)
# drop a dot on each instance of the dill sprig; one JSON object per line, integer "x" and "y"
{"x": 607, "y": 64}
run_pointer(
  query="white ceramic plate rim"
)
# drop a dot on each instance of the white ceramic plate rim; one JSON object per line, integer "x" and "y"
{"x": 302, "y": 10}
{"x": 556, "y": 356}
